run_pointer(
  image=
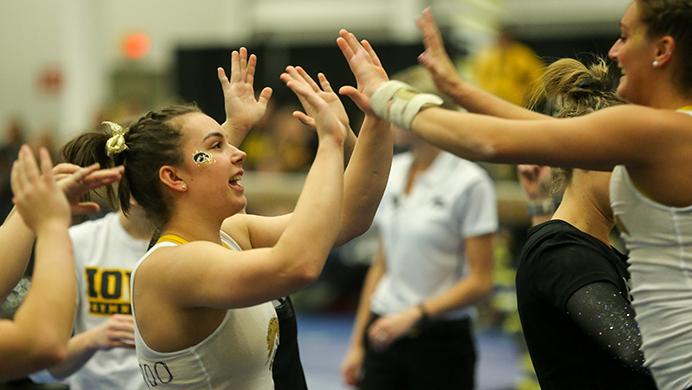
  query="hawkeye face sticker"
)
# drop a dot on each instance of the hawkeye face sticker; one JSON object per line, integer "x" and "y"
{"x": 202, "y": 159}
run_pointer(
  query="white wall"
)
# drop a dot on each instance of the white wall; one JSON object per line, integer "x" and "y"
{"x": 29, "y": 41}
{"x": 83, "y": 37}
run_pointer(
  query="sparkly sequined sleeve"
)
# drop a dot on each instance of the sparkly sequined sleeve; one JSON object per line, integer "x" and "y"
{"x": 604, "y": 314}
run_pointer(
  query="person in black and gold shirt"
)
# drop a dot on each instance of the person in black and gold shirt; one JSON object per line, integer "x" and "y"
{"x": 572, "y": 286}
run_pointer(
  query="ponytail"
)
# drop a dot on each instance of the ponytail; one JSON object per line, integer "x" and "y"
{"x": 572, "y": 89}
{"x": 142, "y": 148}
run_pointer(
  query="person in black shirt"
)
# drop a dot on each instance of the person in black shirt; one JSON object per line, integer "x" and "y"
{"x": 572, "y": 287}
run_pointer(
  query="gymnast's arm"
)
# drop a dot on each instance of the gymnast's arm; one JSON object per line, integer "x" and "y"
{"x": 365, "y": 177}
{"x": 259, "y": 275}
{"x": 116, "y": 332}
{"x": 15, "y": 256}
{"x": 74, "y": 181}
{"x": 601, "y": 311}
{"x": 38, "y": 334}
{"x": 367, "y": 171}
{"x": 436, "y": 60}
{"x": 574, "y": 142}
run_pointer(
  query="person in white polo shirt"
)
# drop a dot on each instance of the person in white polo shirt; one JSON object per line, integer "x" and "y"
{"x": 436, "y": 222}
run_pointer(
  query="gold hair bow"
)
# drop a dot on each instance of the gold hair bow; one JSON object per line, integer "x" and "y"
{"x": 116, "y": 143}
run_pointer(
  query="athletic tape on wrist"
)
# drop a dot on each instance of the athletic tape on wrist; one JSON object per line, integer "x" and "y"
{"x": 380, "y": 99}
{"x": 398, "y": 103}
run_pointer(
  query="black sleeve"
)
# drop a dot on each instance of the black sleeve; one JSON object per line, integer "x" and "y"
{"x": 567, "y": 266}
{"x": 608, "y": 318}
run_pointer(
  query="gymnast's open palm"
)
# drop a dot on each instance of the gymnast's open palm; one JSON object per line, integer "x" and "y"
{"x": 76, "y": 182}
{"x": 323, "y": 109}
{"x": 435, "y": 58}
{"x": 366, "y": 67}
{"x": 39, "y": 200}
{"x": 243, "y": 110}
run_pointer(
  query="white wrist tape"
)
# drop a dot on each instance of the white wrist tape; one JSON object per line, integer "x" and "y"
{"x": 398, "y": 103}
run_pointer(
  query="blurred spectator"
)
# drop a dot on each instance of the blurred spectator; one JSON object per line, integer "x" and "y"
{"x": 281, "y": 143}
{"x": 508, "y": 69}
{"x": 436, "y": 222}
{"x": 258, "y": 145}
{"x": 45, "y": 138}
{"x": 293, "y": 141}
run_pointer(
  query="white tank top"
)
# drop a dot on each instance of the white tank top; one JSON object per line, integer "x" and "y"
{"x": 237, "y": 355}
{"x": 659, "y": 240}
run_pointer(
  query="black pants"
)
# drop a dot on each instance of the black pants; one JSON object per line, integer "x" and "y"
{"x": 442, "y": 356}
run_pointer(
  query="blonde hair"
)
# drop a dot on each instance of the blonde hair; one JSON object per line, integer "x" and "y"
{"x": 572, "y": 89}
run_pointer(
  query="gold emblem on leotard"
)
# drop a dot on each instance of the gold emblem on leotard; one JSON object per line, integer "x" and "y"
{"x": 272, "y": 339}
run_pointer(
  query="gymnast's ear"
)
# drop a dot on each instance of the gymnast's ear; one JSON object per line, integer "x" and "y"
{"x": 663, "y": 50}
{"x": 170, "y": 178}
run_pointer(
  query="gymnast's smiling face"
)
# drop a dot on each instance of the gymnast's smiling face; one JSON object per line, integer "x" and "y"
{"x": 212, "y": 168}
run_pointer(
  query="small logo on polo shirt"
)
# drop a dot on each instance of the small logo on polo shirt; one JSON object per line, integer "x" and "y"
{"x": 438, "y": 202}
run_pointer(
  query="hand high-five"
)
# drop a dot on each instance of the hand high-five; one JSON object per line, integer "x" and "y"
{"x": 243, "y": 110}
{"x": 435, "y": 58}
{"x": 366, "y": 67}
{"x": 319, "y": 103}
{"x": 324, "y": 90}
{"x": 38, "y": 198}
{"x": 76, "y": 182}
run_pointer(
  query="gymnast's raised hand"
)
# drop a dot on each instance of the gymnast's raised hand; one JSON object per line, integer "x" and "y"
{"x": 243, "y": 110}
